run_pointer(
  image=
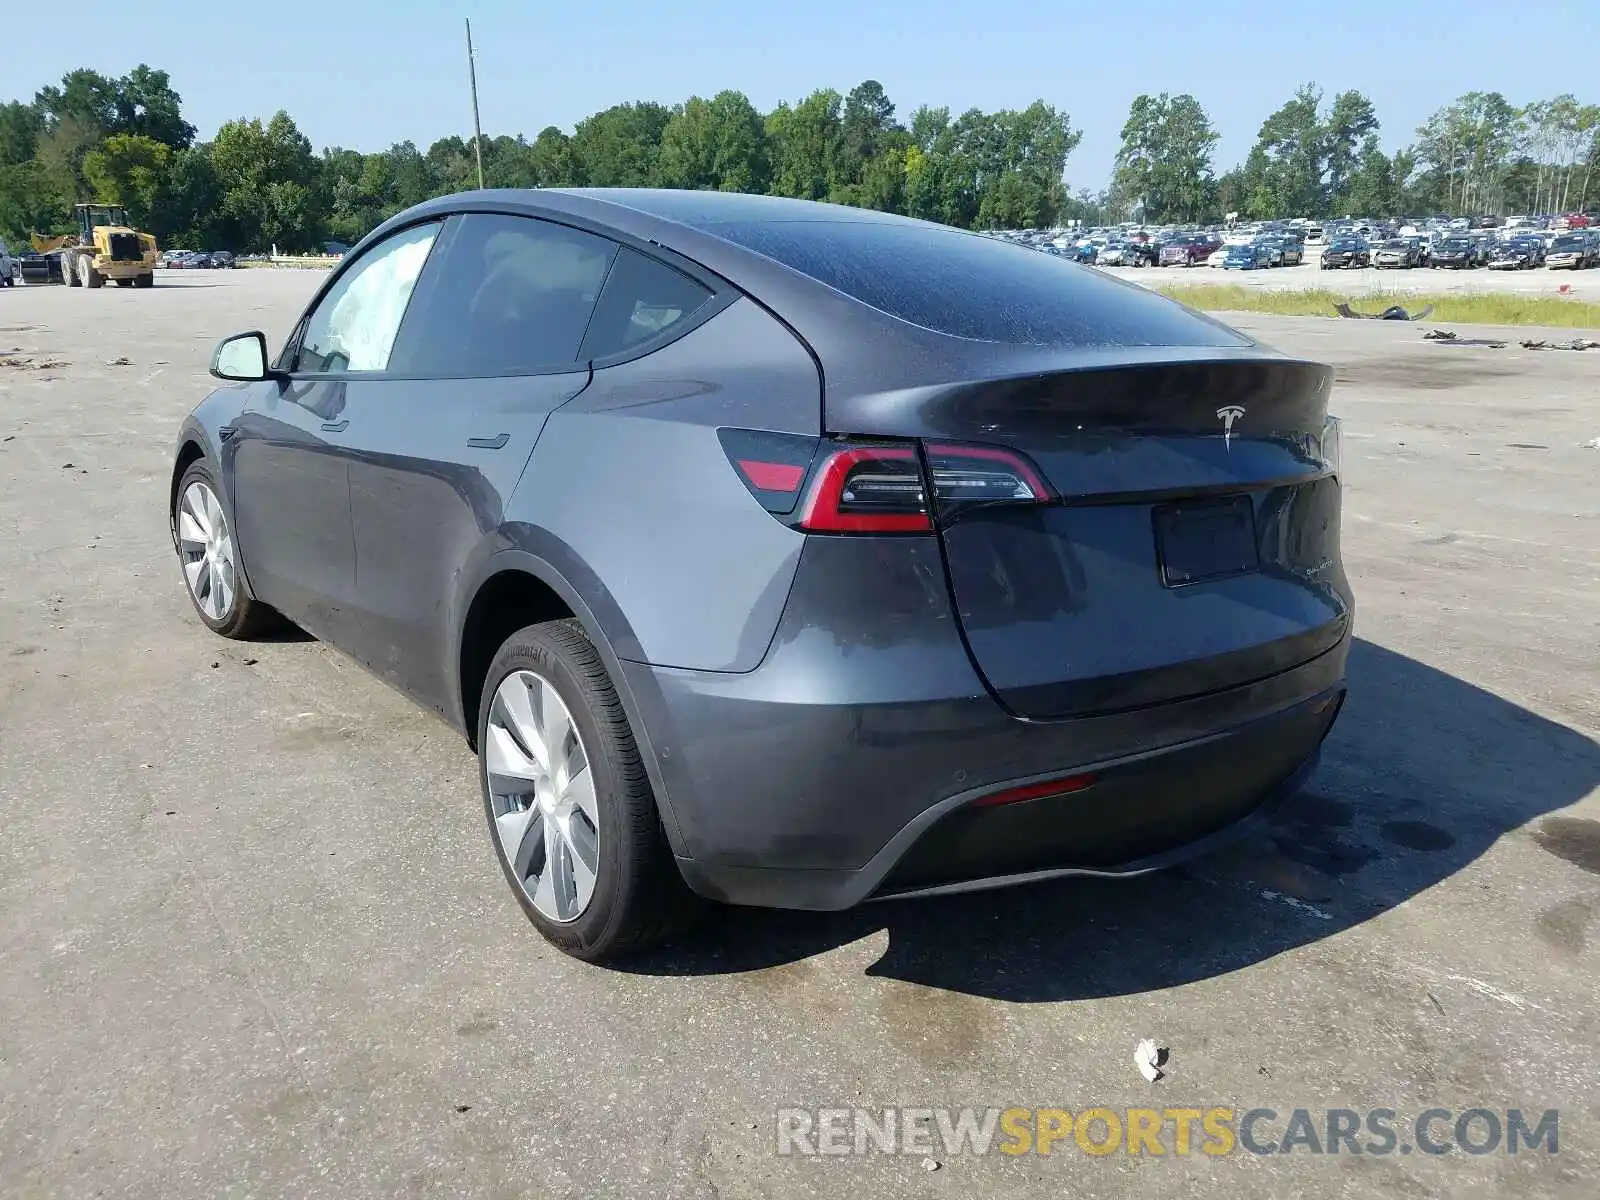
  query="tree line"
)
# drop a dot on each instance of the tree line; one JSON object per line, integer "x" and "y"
{"x": 1478, "y": 155}
{"x": 259, "y": 183}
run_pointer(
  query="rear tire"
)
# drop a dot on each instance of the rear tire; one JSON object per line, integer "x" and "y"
{"x": 589, "y": 864}
{"x": 145, "y": 281}
{"x": 69, "y": 271}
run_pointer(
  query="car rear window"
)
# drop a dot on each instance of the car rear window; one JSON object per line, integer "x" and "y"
{"x": 975, "y": 287}
{"x": 642, "y": 299}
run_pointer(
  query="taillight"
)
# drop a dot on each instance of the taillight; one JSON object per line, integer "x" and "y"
{"x": 865, "y": 487}
{"x": 880, "y": 489}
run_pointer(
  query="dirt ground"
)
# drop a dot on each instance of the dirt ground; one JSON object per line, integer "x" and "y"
{"x": 254, "y": 941}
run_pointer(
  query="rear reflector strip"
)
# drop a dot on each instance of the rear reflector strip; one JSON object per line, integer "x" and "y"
{"x": 1036, "y": 791}
{"x": 773, "y": 477}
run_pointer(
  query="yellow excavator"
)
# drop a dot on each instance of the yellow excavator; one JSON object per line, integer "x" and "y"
{"x": 105, "y": 247}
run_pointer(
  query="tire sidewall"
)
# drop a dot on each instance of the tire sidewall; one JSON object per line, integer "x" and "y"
{"x": 199, "y": 472}
{"x": 532, "y": 649}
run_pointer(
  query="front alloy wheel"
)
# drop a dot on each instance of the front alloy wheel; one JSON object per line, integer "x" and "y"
{"x": 206, "y": 545}
{"x": 210, "y": 559}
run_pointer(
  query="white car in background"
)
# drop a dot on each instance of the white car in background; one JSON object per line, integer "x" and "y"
{"x": 1218, "y": 257}
{"x": 10, "y": 268}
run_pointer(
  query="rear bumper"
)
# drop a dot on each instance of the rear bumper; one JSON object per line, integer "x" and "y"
{"x": 1145, "y": 813}
{"x": 813, "y": 780}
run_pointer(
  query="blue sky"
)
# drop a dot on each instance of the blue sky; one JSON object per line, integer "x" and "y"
{"x": 366, "y": 73}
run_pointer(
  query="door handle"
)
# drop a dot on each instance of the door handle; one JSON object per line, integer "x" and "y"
{"x": 336, "y": 426}
{"x": 489, "y": 443}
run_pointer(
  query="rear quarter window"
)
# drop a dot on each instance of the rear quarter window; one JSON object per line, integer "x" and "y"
{"x": 975, "y": 287}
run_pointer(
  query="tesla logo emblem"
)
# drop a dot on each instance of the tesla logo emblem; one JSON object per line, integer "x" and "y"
{"x": 1228, "y": 416}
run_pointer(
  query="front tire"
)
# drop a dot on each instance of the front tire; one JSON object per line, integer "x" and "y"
{"x": 571, "y": 813}
{"x": 209, "y": 556}
{"x": 147, "y": 280}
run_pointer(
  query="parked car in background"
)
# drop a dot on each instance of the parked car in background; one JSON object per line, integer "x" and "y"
{"x": 1012, "y": 466}
{"x": 1572, "y": 252}
{"x": 1291, "y": 253}
{"x": 1346, "y": 251}
{"x": 1085, "y": 252}
{"x": 33, "y": 265}
{"x": 1189, "y": 252}
{"x": 1248, "y": 256}
{"x": 1115, "y": 254}
{"x": 1537, "y": 244}
{"x": 1398, "y": 253}
{"x": 1218, "y": 256}
{"x": 221, "y": 259}
{"x": 1456, "y": 253}
{"x": 1517, "y": 254}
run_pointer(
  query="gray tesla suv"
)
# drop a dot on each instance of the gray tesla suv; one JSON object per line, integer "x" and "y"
{"x": 782, "y": 553}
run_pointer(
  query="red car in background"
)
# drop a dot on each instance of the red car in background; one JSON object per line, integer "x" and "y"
{"x": 1190, "y": 252}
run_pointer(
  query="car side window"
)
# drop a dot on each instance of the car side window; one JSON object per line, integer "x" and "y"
{"x": 353, "y": 327}
{"x": 641, "y": 299}
{"x": 506, "y": 296}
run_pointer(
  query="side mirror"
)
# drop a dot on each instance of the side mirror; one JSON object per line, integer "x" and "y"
{"x": 242, "y": 358}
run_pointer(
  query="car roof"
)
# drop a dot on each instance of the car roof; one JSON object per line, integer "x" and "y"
{"x": 853, "y": 338}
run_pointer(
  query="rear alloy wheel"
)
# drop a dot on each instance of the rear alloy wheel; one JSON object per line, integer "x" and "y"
{"x": 570, "y": 808}
{"x": 210, "y": 560}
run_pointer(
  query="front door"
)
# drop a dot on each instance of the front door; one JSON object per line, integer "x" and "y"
{"x": 291, "y": 452}
{"x": 291, "y": 500}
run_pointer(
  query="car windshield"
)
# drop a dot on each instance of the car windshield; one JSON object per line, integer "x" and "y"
{"x": 1396, "y": 244}
{"x": 1571, "y": 242}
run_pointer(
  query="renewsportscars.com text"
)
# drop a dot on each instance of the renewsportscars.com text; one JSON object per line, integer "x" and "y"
{"x": 1179, "y": 1132}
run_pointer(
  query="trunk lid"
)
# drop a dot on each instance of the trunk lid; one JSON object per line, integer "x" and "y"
{"x": 1192, "y": 544}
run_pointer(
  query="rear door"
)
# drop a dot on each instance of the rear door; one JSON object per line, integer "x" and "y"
{"x": 489, "y": 350}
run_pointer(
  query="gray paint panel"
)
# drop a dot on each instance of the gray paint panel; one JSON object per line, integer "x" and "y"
{"x": 632, "y": 472}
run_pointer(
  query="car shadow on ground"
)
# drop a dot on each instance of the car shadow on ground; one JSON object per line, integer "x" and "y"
{"x": 1421, "y": 775}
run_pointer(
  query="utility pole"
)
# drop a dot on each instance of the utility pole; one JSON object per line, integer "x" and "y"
{"x": 477, "y": 128}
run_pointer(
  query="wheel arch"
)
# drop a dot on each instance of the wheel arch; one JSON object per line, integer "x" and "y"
{"x": 515, "y": 587}
{"x": 190, "y": 451}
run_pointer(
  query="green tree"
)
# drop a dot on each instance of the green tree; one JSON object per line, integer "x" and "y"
{"x": 621, "y": 146}
{"x": 268, "y": 180}
{"x": 84, "y": 96}
{"x": 145, "y": 105}
{"x": 1371, "y": 189}
{"x": 802, "y": 143}
{"x": 1283, "y": 175}
{"x": 1164, "y": 164}
{"x": 717, "y": 144}
{"x": 184, "y": 209}
{"x": 1350, "y": 122}
{"x": 553, "y": 163}
{"x": 20, "y": 127}
{"x": 128, "y": 169}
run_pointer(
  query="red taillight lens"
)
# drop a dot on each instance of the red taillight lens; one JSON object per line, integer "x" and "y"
{"x": 868, "y": 489}
{"x": 879, "y": 489}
